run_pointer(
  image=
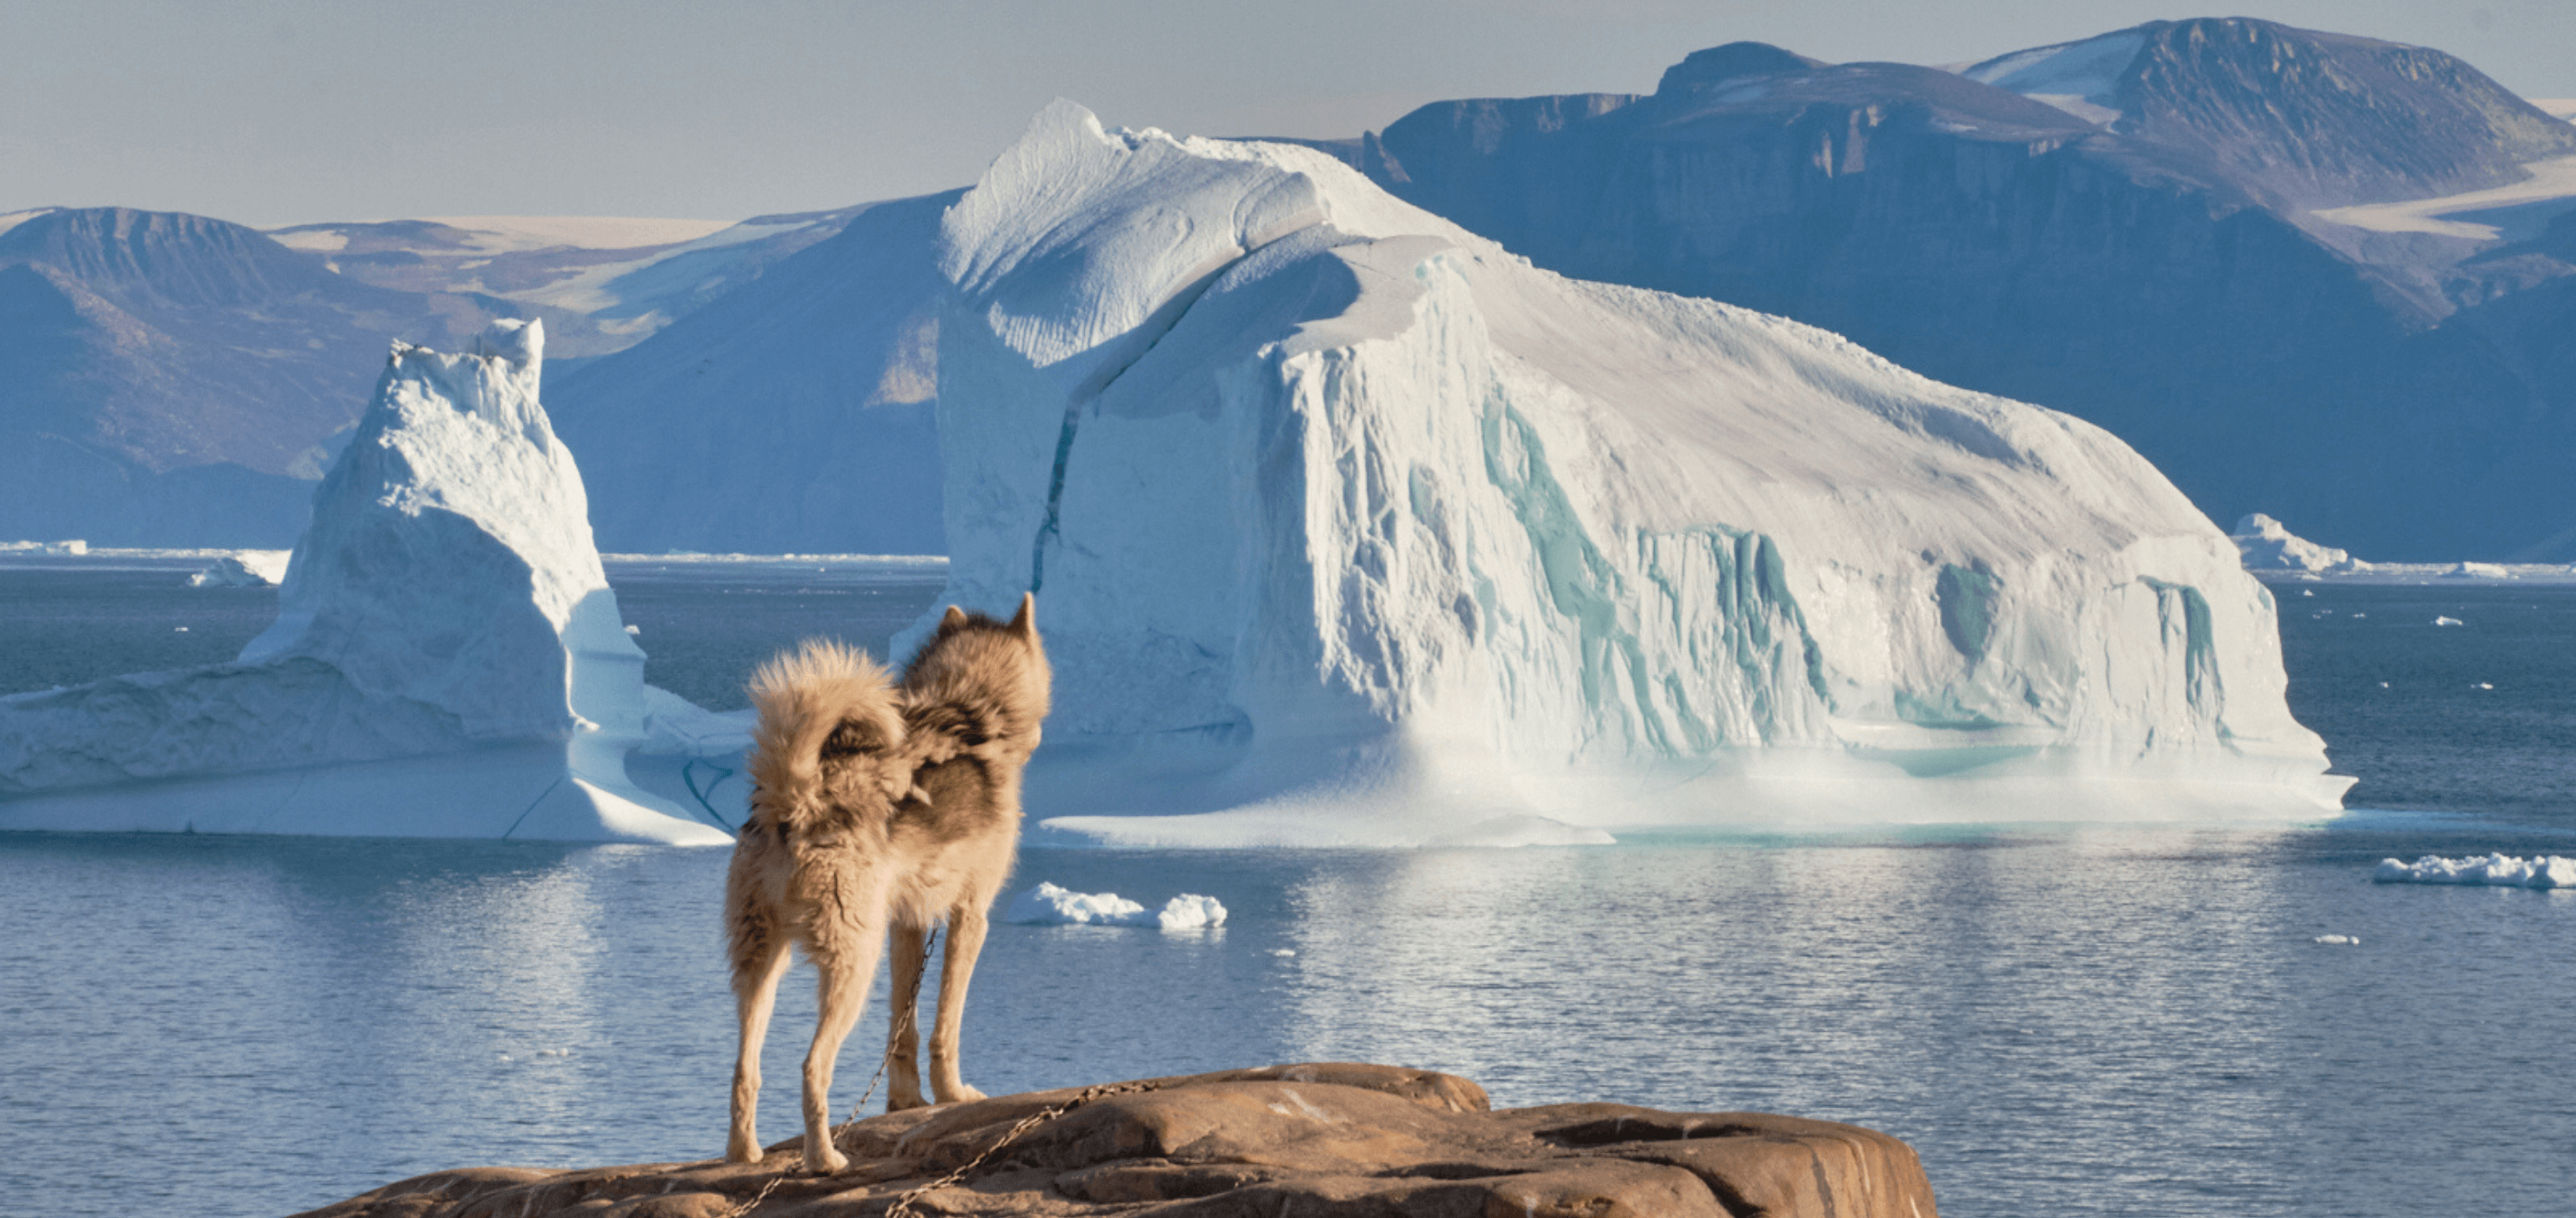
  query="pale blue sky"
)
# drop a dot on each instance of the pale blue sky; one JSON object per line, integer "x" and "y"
{"x": 300, "y": 110}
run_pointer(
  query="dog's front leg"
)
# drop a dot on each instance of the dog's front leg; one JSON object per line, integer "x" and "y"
{"x": 903, "y": 1028}
{"x": 965, "y": 942}
{"x": 846, "y": 971}
{"x": 758, "y": 965}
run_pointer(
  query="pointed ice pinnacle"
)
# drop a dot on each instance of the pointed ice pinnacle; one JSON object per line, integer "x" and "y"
{"x": 447, "y": 658}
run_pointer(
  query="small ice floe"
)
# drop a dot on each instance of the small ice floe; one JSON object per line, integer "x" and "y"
{"x": 634, "y": 629}
{"x": 179, "y": 630}
{"x": 2482, "y": 685}
{"x": 2339, "y": 940}
{"x": 2361, "y": 615}
{"x": 2448, "y": 621}
{"x": 2496, "y": 870}
{"x": 1283, "y": 952}
{"x": 1050, "y": 905}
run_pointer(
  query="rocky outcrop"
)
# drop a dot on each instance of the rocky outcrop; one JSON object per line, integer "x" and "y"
{"x": 1312, "y": 1140}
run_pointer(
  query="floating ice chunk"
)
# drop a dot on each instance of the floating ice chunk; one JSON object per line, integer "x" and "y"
{"x": 2483, "y": 685}
{"x": 2477, "y": 570}
{"x": 1051, "y": 905}
{"x": 244, "y": 569}
{"x": 49, "y": 548}
{"x": 2268, "y": 546}
{"x": 2339, "y": 940}
{"x": 2495, "y": 870}
{"x": 1190, "y": 911}
{"x": 2448, "y": 621}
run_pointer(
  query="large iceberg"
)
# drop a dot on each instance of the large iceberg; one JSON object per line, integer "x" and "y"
{"x": 447, "y": 658}
{"x": 1348, "y": 526}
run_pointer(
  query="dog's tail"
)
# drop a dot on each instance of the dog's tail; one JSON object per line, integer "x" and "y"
{"x": 822, "y": 696}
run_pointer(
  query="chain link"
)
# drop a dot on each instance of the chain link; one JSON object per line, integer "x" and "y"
{"x": 903, "y": 1205}
{"x": 906, "y": 1020}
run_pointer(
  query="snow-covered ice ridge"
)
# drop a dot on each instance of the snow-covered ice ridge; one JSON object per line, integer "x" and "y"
{"x": 2272, "y": 551}
{"x": 1348, "y": 526}
{"x": 2499, "y": 870}
{"x": 244, "y": 569}
{"x": 447, "y": 658}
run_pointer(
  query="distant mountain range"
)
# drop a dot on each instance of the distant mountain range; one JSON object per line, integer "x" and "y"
{"x": 2209, "y": 236}
{"x": 2318, "y": 276}
{"x": 169, "y": 379}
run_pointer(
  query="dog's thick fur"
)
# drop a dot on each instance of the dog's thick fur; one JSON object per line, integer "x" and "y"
{"x": 878, "y": 810}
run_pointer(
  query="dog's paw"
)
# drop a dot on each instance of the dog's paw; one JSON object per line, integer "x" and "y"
{"x": 959, "y": 1094}
{"x": 825, "y": 1159}
{"x": 743, "y": 1150}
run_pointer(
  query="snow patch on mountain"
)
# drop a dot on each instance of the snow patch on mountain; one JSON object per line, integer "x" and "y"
{"x": 447, "y": 659}
{"x": 10, "y": 220}
{"x": 2082, "y": 78}
{"x": 1348, "y": 526}
{"x": 2551, "y": 179}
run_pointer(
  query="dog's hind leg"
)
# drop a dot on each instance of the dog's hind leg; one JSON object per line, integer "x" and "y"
{"x": 759, "y": 960}
{"x": 956, "y": 968}
{"x": 903, "y": 1018}
{"x": 846, "y": 970}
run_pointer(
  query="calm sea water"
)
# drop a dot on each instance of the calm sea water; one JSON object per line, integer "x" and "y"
{"x": 2062, "y": 1020}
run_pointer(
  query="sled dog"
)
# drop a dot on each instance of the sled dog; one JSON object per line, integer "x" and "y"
{"x": 878, "y": 810}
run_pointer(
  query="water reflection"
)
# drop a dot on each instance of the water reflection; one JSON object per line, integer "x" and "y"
{"x": 2105, "y": 1021}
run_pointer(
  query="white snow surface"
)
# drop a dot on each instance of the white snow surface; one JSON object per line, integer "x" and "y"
{"x": 2081, "y": 78}
{"x": 2497, "y": 870}
{"x": 447, "y": 658}
{"x": 2268, "y": 545}
{"x": 1051, "y": 905}
{"x": 1349, "y": 527}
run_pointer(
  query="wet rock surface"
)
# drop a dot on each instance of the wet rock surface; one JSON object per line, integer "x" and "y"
{"x": 1317, "y": 1140}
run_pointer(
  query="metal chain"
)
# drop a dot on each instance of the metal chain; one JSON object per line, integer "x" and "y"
{"x": 906, "y": 1020}
{"x": 903, "y": 1205}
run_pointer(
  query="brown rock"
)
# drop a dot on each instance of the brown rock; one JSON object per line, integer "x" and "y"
{"x": 1324, "y": 1140}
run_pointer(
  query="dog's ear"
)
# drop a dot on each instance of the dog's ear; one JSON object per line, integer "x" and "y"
{"x": 954, "y": 618}
{"x": 1025, "y": 622}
